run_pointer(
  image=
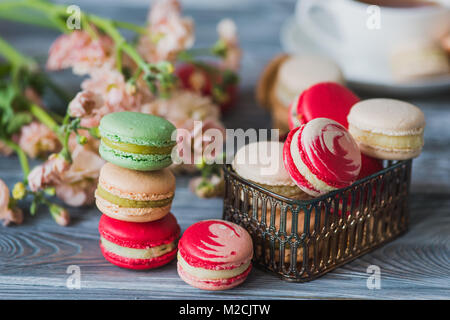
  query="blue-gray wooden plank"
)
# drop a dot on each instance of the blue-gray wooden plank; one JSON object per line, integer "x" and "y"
{"x": 34, "y": 256}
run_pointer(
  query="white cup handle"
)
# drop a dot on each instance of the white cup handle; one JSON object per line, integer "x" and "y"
{"x": 303, "y": 12}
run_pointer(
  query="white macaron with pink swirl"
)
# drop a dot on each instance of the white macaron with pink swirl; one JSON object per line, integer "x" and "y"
{"x": 321, "y": 156}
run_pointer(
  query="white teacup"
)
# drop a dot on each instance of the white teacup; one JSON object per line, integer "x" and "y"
{"x": 368, "y": 34}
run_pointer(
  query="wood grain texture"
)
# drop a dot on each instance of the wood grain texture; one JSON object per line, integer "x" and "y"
{"x": 34, "y": 256}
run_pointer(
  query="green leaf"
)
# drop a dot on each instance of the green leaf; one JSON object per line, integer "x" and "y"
{"x": 27, "y": 16}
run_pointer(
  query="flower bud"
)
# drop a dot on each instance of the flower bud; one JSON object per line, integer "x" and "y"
{"x": 82, "y": 140}
{"x": 19, "y": 191}
{"x": 59, "y": 214}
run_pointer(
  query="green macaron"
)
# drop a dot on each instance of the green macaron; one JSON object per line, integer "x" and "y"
{"x": 136, "y": 141}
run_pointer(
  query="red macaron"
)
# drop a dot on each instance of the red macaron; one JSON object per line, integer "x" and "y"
{"x": 197, "y": 79}
{"x": 215, "y": 255}
{"x": 323, "y": 100}
{"x": 137, "y": 246}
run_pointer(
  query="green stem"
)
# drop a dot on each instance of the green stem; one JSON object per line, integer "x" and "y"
{"x": 65, "y": 152}
{"x": 107, "y": 25}
{"x": 50, "y": 123}
{"x": 44, "y": 117}
{"x": 130, "y": 26}
{"x": 22, "y": 157}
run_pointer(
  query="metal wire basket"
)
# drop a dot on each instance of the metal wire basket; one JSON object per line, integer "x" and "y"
{"x": 300, "y": 240}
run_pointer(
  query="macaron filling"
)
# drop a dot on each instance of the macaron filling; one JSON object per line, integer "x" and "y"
{"x": 209, "y": 274}
{"x": 131, "y": 203}
{"x": 135, "y": 253}
{"x": 135, "y": 148}
{"x": 387, "y": 142}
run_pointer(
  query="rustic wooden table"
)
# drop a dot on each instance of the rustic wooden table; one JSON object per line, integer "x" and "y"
{"x": 34, "y": 257}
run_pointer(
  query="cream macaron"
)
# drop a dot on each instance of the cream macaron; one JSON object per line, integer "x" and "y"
{"x": 298, "y": 73}
{"x": 387, "y": 128}
{"x": 262, "y": 163}
{"x": 134, "y": 196}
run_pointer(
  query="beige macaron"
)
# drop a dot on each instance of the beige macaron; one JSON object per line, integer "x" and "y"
{"x": 135, "y": 196}
{"x": 286, "y": 77}
{"x": 262, "y": 163}
{"x": 387, "y": 128}
{"x": 298, "y": 73}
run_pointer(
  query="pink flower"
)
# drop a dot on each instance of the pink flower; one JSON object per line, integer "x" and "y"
{"x": 36, "y": 140}
{"x": 169, "y": 32}
{"x": 48, "y": 174}
{"x": 227, "y": 31}
{"x": 184, "y": 109}
{"x": 84, "y": 104}
{"x": 163, "y": 8}
{"x": 104, "y": 92}
{"x": 7, "y": 214}
{"x": 78, "y": 183}
{"x": 77, "y": 194}
{"x": 79, "y": 51}
{"x": 86, "y": 164}
{"x": 183, "y": 106}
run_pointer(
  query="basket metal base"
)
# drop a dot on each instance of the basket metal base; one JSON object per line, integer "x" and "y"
{"x": 301, "y": 240}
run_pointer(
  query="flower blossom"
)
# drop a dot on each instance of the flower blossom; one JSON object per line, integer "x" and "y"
{"x": 168, "y": 32}
{"x": 194, "y": 113}
{"x": 79, "y": 181}
{"x": 182, "y": 107}
{"x": 79, "y": 51}
{"x": 37, "y": 140}
{"x": 104, "y": 92}
{"x": 227, "y": 31}
{"x": 7, "y": 214}
{"x": 48, "y": 174}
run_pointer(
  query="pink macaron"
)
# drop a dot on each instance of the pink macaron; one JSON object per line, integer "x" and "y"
{"x": 144, "y": 245}
{"x": 215, "y": 255}
{"x": 321, "y": 156}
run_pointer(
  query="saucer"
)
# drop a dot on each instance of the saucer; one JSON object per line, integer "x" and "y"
{"x": 295, "y": 41}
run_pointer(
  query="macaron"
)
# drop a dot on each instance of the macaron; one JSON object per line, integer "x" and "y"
{"x": 136, "y": 140}
{"x": 214, "y": 255}
{"x": 262, "y": 163}
{"x": 323, "y": 100}
{"x": 139, "y": 245}
{"x": 387, "y": 128}
{"x": 321, "y": 156}
{"x": 135, "y": 196}
{"x": 333, "y": 101}
{"x": 298, "y": 73}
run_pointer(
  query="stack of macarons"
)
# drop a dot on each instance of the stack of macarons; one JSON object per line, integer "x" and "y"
{"x": 135, "y": 191}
